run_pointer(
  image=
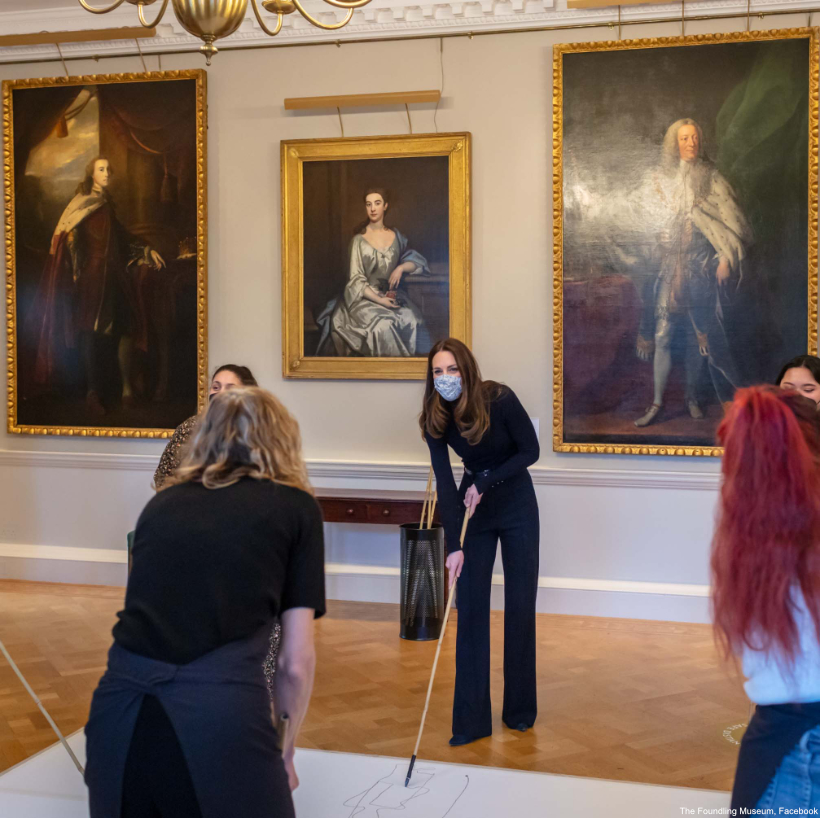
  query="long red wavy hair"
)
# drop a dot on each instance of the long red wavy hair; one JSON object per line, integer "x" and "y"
{"x": 767, "y": 539}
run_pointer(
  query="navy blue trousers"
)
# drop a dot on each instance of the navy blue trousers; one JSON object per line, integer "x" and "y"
{"x": 508, "y": 513}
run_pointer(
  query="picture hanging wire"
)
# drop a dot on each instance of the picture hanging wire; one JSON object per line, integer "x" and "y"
{"x": 619, "y": 22}
{"x": 62, "y": 59}
{"x": 142, "y": 56}
{"x": 682, "y": 18}
{"x": 441, "y": 81}
{"x": 341, "y": 124}
{"x": 409, "y": 121}
{"x": 748, "y": 14}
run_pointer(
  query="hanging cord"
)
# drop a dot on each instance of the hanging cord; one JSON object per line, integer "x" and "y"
{"x": 341, "y": 124}
{"x": 62, "y": 58}
{"x": 441, "y": 84}
{"x": 142, "y": 57}
{"x": 159, "y": 61}
{"x": 619, "y": 22}
{"x": 748, "y": 14}
{"x": 409, "y": 121}
{"x": 682, "y": 18}
{"x": 42, "y": 709}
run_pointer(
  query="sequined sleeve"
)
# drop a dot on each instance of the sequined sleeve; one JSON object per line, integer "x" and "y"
{"x": 171, "y": 457}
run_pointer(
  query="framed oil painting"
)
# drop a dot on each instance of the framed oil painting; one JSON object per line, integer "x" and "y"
{"x": 685, "y": 225}
{"x": 105, "y": 217}
{"x": 375, "y": 253}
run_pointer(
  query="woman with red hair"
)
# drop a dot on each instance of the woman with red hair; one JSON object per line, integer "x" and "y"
{"x": 766, "y": 591}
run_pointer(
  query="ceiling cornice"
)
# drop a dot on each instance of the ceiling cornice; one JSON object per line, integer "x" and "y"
{"x": 380, "y": 19}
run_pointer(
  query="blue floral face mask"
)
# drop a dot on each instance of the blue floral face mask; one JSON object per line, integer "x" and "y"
{"x": 448, "y": 386}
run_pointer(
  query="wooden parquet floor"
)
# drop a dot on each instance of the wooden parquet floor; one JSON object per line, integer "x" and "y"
{"x": 620, "y": 699}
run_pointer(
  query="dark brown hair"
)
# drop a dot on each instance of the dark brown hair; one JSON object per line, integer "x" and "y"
{"x": 242, "y": 372}
{"x": 384, "y": 193}
{"x": 88, "y": 180}
{"x": 471, "y": 412}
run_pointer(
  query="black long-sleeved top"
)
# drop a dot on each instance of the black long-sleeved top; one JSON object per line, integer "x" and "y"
{"x": 509, "y": 447}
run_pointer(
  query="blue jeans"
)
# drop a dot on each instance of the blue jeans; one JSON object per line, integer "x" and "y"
{"x": 797, "y": 780}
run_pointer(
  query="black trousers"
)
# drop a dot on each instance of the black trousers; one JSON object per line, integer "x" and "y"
{"x": 157, "y": 781}
{"x": 508, "y": 512}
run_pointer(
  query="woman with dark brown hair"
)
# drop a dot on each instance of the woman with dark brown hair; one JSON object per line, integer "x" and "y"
{"x": 486, "y": 425}
{"x": 766, "y": 592}
{"x": 225, "y": 377}
{"x": 375, "y": 316}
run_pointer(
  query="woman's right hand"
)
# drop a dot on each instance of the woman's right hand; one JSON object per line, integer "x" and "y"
{"x": 454, "y": 563}
{"x": 388, "y": 302}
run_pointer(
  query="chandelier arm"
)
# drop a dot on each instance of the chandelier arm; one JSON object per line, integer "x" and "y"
{"x": 262, "y": 24}
{"x": 85, "y": 5}
{"x": 159, "y": 16}
{"x": 350, "y": 4}
{"x": 325, "y": 26}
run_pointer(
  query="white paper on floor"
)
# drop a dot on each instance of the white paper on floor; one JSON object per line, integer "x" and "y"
{"x": 344, "y": 785}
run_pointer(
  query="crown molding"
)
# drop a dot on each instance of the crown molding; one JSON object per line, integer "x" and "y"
{"x": 379, "y": 19}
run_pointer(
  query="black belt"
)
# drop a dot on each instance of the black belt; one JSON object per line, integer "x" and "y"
{"x": 485, "y": 473}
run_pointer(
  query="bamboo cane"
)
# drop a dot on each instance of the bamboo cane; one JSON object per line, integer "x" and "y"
{"x": 432, "y": 510}
{"x": 435, "y": 661}
{"x": 426, "y": 497}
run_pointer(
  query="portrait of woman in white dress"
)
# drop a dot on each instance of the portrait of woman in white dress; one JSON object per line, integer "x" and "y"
{"x": 374, "y": 316}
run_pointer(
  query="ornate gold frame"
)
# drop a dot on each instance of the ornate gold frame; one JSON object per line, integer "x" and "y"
{"x": 199, "y": 76}
{"x": 558, "y": 226}
{"x": 294, "y": 154}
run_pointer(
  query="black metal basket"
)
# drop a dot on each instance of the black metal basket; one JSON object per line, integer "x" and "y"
{"x": 422, "y": 582}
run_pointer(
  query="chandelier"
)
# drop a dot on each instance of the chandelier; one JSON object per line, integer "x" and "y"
{"x": 211, "y": 20}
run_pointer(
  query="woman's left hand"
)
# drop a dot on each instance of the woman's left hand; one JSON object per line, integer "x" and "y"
{"x": 471, "y": 499}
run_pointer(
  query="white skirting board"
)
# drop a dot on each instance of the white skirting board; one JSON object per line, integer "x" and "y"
{"x": 369, "y": 583}
{"x": 556, "y": 595}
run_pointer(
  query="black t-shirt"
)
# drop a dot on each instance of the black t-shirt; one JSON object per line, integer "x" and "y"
{"x": 211, "y": 566}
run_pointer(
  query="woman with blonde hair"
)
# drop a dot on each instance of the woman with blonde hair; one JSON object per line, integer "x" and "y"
{"x": 181, "y": 723}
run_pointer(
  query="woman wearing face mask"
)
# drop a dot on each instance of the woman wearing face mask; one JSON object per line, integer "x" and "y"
{"x": 226, "y": 377}
{"x": 488, "y": 428}
{"x": 803, "y": 375}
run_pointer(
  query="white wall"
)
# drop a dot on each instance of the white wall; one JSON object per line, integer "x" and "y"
{"x": 617, "y": 520}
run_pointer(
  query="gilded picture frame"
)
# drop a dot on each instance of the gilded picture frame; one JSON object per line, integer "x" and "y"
{"x": 111, "y": 342}
{"x": 352, "y": 310}
{"x": 685, "y": 263}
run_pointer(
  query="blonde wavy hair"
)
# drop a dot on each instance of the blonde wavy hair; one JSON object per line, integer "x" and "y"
{"x": 245, "y": 432}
